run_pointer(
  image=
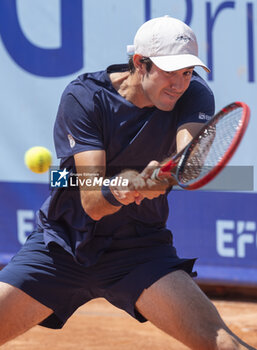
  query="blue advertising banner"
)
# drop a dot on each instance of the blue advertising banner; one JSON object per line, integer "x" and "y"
{"x": 210, "y": 226}
{"x": 220, "y": 229}
{"x": 18, "y": 205}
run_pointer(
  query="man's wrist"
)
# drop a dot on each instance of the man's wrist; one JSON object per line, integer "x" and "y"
{"x": 109, "y": 196}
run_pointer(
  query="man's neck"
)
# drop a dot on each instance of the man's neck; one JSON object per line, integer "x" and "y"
{"x": 129, "y": 86}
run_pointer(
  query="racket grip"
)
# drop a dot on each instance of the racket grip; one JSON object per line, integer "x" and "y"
{"x": 164, "y": 171}
{"x": 155, "y": 174}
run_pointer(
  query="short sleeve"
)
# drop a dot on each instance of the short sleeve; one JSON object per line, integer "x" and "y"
{"x": 197, "y": 105}
{"x": 78, "y": 127}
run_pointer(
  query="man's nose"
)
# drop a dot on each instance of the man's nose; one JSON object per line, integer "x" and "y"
{"x": 178, "y": 84}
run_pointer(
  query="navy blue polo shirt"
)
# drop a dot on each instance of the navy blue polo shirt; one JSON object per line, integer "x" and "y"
{"x": 92, "y": 115}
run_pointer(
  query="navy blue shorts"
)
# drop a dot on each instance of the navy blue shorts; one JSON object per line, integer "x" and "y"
{"x": 50, "y": 275}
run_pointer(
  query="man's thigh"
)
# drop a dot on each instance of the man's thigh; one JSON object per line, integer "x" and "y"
{"x": 18, "y": 312}
{"x": 50, "y": 276}
{"x": 176, "y": 305}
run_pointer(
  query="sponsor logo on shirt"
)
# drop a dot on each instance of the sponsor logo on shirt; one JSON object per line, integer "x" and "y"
{"x": 71, "y": 141}
{"x": 203, "y": 116}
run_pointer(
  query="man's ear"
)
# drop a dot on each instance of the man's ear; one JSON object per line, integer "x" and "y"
{"x": 139, "y": 66}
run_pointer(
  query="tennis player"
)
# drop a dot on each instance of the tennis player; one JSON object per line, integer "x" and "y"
{"x": 112, "y": 242}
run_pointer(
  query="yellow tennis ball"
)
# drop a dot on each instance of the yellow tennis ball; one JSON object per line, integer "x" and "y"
{"x": 38, "y": 159}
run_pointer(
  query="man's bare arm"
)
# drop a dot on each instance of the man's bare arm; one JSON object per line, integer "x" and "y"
{"x": 185, "y": 134}
{"x": 93, "y": 164}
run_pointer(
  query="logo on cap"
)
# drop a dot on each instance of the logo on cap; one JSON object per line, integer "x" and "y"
{"x": 184, "y": 38}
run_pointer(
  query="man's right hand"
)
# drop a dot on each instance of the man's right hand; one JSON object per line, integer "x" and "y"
{"x": 140, "y": 186}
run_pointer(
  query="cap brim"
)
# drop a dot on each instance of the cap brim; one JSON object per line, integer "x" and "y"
{"x": 176, "y": 62}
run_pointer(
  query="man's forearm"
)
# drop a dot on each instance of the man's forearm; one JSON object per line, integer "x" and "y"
{"x": 100, "y": 200}
{"x": 95, "y": 205}
{"x": 133, "y": 189}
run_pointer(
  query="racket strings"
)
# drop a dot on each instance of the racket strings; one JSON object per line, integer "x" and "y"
{"x": 210, "y": 147}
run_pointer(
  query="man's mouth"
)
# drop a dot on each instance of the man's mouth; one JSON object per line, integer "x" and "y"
{"x": 172, "y": 95}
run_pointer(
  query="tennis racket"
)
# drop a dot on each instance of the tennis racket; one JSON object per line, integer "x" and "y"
{"x": 210, "y": 150}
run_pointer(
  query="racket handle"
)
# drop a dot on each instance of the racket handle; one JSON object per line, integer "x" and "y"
{"x": 160, "y": 175}
{"x": 164, "y": 171}
{"x": 155, "y": 174}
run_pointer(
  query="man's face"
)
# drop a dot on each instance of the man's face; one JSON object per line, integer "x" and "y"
{"x": 163, "y": 89}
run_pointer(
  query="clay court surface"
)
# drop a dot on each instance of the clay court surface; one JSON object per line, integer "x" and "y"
{"x": 98, "y": 325}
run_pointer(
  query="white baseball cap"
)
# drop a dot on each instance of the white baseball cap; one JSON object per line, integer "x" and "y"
{"x": 168, "y": 42}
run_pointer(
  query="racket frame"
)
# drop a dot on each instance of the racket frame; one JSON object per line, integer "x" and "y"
{"x": 172, "y": 167}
